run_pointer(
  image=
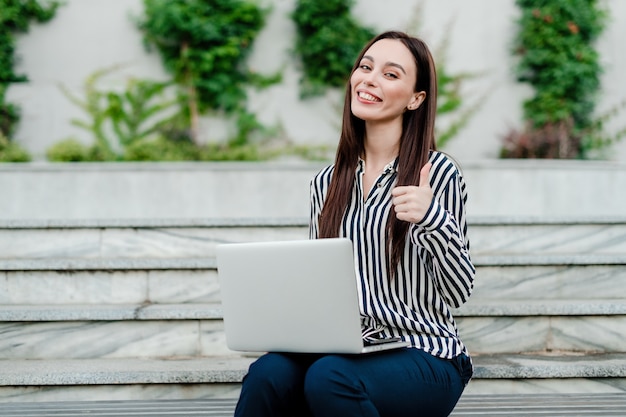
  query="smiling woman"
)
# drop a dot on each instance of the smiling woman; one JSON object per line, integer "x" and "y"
{"x": 402, "y": 204}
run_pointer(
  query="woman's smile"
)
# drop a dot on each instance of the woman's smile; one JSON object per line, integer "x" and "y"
{"x": 368, "y": 97}
{"x": 383, "y": 85}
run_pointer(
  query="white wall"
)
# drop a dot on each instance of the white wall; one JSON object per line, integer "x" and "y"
{"x": 87, "y": 35}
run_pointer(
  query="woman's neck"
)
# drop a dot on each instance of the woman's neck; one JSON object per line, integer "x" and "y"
{"x": 382, "y": 143}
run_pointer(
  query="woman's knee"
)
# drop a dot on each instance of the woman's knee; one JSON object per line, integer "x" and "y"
{"x": 327, "y": 376}
{"x": 273, "y": 387}
{"x": 274, "y": 371}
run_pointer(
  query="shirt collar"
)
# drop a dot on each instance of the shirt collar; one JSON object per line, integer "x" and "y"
{"x": 390, "y": 168}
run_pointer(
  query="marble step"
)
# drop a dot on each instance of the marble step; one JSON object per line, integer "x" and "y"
{"x": 509, "y": 405}
{"x": 137, "y": 238}
{"x": 196, "y": 330}
{"x": 145, "y": 280}
{"x": 569, "y": 278}
{"x": 548, "y": 236}
{"x": 505, "y": 326}
{"x": 141, "y": 379}
{"x": 171, "y": 238}
{"x": 112, "y": 331}
{"x": 108, "y": 281}
{"x": 213, "y": 311}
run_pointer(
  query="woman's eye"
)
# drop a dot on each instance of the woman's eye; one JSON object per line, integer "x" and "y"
{"x": 391, "y": 75}
{"x": 365, "y": 67}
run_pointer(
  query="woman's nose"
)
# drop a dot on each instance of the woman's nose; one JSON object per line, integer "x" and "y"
{"x": 369, "y": 80}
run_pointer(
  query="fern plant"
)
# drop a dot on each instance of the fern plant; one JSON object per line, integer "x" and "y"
{"x": 118, "y": 119}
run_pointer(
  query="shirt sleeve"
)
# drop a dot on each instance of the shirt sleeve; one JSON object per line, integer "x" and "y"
{"x": 443, "y": 235}
{"x": 314, "y": 213}
{"x": 319, "y": 185}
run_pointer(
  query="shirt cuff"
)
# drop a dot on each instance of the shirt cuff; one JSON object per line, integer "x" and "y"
{"x": 434, "y": 218}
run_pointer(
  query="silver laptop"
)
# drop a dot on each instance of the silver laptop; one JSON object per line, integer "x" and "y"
{"x": 292, "y": 296}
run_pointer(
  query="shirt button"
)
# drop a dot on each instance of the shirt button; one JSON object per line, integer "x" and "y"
{"x": 379, "y": 185}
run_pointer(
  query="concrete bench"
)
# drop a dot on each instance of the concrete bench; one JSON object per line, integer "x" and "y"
{"x": 518, "y": 405}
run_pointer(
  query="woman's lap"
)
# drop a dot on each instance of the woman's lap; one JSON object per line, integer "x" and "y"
{"x": 404, "y": 382}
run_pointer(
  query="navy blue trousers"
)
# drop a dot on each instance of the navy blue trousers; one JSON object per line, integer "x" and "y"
{"x": 396, "y": 383}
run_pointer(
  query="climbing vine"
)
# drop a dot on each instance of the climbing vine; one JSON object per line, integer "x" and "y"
{"x": 557, "y": 58}
{"x": 204, "y": 45}
{"x": 15, "y": 18}
{"x": 328, "y": 40}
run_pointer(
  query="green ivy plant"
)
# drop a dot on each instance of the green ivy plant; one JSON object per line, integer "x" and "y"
{"x": 328, "y": 40}
{"x": 204, "y": 45}
{"x": 15, "y": 17}
{"x": 555, "y": 47}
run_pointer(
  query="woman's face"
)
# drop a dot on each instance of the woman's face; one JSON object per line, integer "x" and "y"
{"x": 382, "y": 85}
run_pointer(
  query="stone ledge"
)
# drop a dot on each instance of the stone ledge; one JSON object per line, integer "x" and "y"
{"x": 518, "y": 405}
{"x": 530, "y": 165}
{"x": 190, "y": 190}
{"x": 213, "y": 311}
{"x": 111, "y": 312}
{"x": 142, "y": 167}
{"x": 545, "y": 260}
{"x": 191, "y": 263}
{"x": 504, "y": 221}
{"x": 108, "y": 264}
{"x": 122, "y": 371}
{"x": 154, "y": 223}
{"x": 550, "y": 366}
{"x": 486, "y": 308}
{"x": 231, "y": 370}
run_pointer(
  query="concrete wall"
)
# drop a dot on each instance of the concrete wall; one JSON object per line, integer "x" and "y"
{"x": 524, "y": 188}
{"x": 87, "y": 35}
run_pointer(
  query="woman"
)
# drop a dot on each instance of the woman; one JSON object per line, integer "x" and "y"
{"x": 402, "y": 204}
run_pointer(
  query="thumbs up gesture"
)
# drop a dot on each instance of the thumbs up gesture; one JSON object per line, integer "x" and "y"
{"x": 410, "y": 202}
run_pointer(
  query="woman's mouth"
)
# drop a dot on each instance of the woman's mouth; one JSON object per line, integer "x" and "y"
{"x": 368, "y": 97}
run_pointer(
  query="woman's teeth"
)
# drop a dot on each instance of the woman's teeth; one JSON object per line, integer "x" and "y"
{"x": 368, "y": 97}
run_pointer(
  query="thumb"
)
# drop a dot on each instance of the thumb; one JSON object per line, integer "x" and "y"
{"x": 424, "y": 175}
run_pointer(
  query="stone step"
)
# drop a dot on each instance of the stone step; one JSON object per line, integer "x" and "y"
{"x": 548, "y": 236}
{"x": 213, "y": 311}
{"x": 509, "y": 279}
{"x": 112, "y": 281}
{"x": 110, "y": 331}
{"x": 196, "y": 330}
{"x": 142, "y": 379}
{"x": 169, "y": 238}
{"x": 512, "y": 405}
{"x": 137, "y": 238}
{"x": 184, "y": 280}
{"x": 488, "y": 326}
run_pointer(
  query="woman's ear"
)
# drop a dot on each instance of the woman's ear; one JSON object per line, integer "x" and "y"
{"x": 416, "y": 100}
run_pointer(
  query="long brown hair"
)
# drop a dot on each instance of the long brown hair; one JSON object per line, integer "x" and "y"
{"x": 416, "y": 141}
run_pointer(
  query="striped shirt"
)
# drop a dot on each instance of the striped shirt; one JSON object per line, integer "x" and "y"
{"x": 435, "y": 272}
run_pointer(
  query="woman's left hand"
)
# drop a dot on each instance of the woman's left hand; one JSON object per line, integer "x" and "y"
{"x": 412, "y": 202}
